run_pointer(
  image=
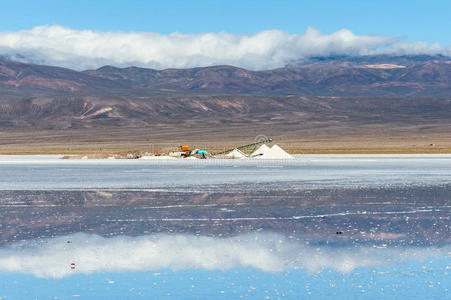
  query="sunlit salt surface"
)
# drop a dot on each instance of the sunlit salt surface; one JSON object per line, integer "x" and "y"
{"x": 319, "y": 226}
{"x": 307, "y": 171}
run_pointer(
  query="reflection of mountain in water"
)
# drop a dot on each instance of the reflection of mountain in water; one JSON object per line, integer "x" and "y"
{"x": 401, "y": 216}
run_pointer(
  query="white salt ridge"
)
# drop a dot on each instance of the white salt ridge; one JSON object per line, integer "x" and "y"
{"x": 275, "y": 152}
{"x": 236, "y": 154}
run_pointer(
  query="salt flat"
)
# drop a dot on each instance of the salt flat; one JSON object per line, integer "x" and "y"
{"x": 329, "y": 226}
{"x": 306, "y": 171}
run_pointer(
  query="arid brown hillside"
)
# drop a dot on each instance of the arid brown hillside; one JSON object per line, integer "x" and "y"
{"x": 424, "y": 78}
{"x": 337, "y": 98}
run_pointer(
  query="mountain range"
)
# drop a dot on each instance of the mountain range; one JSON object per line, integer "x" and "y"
{"x": 320, "y": 92}
{"x": 380, "y": 76}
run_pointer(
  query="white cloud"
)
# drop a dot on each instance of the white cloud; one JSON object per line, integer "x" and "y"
{"x": 266, "y": 252}
{"x": 83, "y": 49}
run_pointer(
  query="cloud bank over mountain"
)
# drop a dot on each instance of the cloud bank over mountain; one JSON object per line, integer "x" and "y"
{"x": 87, "y": 49}
{"x": 267, "y": 252}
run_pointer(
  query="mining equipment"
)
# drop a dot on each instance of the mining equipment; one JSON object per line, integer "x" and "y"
{"x": 252, "y": 146}
{"x": 186, "y": 152}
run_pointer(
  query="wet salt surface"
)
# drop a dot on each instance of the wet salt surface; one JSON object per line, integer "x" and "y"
{"x": 327, "y": 227}
{"x": 416, "y": 215}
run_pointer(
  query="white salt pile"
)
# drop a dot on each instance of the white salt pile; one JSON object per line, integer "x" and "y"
{"x": 275, "y": 152}
{"x": 236, "y": 154}
{"x": 260, "y": 151}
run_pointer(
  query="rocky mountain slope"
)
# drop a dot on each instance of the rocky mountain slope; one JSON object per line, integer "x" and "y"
{"x": 371, "y": 76}
{"x": 320, "y": 92}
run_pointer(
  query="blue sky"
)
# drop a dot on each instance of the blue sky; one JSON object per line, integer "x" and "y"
{"x": 251, "y": 34}
{"x": 428, "y": 21}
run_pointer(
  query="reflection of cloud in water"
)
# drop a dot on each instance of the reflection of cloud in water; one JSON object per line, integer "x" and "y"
{"x": 267, "y": 252}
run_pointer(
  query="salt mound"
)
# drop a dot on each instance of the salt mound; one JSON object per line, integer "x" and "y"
{"x": 236, "y": 154}
{"x": 275, "y": 152}
{"x": 260, "y": 151}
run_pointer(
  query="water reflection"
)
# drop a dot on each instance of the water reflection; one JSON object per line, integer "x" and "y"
{"x": 267, "y": 252}
{"x": 243, "y": 242}
{"x": 411, "y": 216}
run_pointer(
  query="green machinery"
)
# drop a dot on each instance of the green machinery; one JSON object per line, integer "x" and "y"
{"x": 252, "y": 146}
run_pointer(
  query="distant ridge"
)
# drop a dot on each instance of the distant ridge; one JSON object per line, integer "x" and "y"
{"x": 406, "y": 60}
{"x": 329, "y": 76}
{"x": 329, "y": 91}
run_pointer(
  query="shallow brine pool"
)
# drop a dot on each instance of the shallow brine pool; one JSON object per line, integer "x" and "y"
{"x": 319, "y": 226}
